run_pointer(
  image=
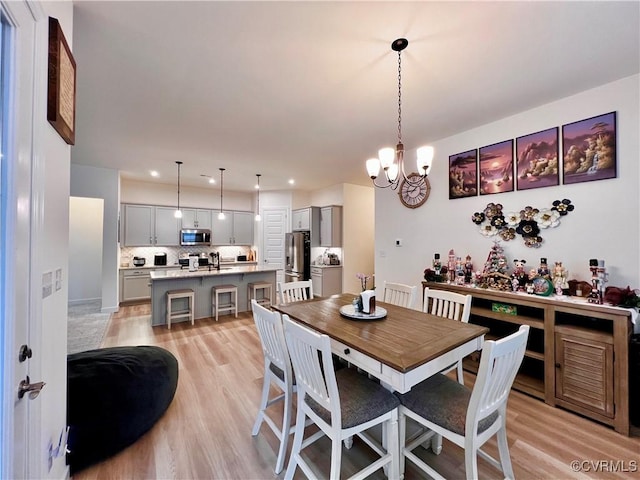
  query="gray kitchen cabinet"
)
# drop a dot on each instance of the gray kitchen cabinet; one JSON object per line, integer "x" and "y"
{"x": 196, "y": 218}
{"x": 235, "y": 229}
{"x": 326, "y": 281}
{"x": 146, "y": 225}
{"x": 307, "y": 219}
{"x": 138, "y": 225}
{"x": 331, "y": 226}
{"x": 135, "y": 285}
{"x": 167, "y": 227}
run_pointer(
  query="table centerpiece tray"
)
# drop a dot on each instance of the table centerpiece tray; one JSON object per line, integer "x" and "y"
{"x": 349, "y": 311}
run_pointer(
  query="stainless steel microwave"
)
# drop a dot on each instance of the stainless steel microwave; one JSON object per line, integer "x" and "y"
{"x": 195, "y": 237}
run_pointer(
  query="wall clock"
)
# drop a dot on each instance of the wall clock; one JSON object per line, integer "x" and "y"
{"x": 414, "y": 192}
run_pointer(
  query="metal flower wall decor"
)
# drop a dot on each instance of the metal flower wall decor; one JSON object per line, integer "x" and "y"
{"x": 527, "y": 223}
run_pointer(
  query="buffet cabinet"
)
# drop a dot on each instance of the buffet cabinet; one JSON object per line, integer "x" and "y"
{"x": 577, "y": 354}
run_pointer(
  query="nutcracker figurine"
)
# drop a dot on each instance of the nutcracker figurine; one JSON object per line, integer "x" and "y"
{"x": 599, "y": 277}
{"x": 437, "y": 264}
{"x": 451, "y": 266}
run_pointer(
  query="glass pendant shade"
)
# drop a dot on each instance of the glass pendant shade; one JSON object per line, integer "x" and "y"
{"x": 178, "y": 214}
{"x": 373, "y": 167}
{"x": 386, "y": 155}
{"x": 392, "y": 172}
{"x": 221, "y": 216}
{"x": 425, "y": 158}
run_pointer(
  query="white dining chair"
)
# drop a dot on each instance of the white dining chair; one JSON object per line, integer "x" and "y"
{"x": 277, "y": 371}
{"x": 455, "y": 306}
{"x": 400, "y": 294}
{"x": 289, "y": 292}
{"x": 342, "y": 404}
{"x": 467, "y": 417}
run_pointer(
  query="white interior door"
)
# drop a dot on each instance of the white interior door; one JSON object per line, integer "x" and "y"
{"x": 273, "y": 233}
{"x": 17, "y": 53}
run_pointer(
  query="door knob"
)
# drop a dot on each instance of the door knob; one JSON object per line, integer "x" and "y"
{"x": 25, "y": 352}
{"x": 33, "y": 388}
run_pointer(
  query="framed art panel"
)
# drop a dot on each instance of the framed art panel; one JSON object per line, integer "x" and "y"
{"x": 61, "y": 89}
{"x": 496, "y": 168}
{"x": 537, "y": 160}
{"x": 463, "y": 174}
{"x": 589, "y": 149}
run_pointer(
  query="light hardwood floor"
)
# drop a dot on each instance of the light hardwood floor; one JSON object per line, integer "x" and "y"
{"x": 206, "y": 432}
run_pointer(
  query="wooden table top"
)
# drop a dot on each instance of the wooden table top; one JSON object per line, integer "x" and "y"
{"x": 403, "y": 340}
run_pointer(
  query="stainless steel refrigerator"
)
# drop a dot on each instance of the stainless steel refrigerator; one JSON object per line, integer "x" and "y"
{"x": 297, "y": 256}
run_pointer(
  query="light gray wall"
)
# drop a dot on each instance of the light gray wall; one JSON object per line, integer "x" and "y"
{"x": 85, "y": 249}
{"x": 149, "y": 193}
{"x": 95, "y": 182}
{"x": 604, "y": 225}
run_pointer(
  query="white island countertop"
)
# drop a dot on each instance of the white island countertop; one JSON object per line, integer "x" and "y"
{"x": 205, "y": 272}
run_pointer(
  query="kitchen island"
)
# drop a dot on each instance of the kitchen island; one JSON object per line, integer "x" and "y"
{"x": 201, "y": 281}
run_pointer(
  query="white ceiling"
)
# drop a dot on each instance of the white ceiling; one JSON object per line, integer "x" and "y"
{"x": 308, "y": 90}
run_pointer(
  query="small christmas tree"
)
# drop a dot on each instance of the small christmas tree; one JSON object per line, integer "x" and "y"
{"x": 494, "y": 274}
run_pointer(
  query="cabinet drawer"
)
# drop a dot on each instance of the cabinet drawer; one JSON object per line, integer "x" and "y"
{"x": 136, "y": 273}
{"x": 353, "y": 356}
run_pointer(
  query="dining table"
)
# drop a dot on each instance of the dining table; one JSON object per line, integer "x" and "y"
{"x": 399, "y": 346}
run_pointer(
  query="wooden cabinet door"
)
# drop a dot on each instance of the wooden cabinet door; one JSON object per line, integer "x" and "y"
{"x": 301, "y": 219}
{"x": 189, "y": 219}
{"x": 331, "y": 227}
{"x": 196, "y": 218}
{"x": 136, "y": 288}
{"x": 167, "y": 227}
{"x": 243, "y": 228}
{"x": 222, "y": 230}
{"x": 138, "y": 225}
{"x": 584, "y": 370}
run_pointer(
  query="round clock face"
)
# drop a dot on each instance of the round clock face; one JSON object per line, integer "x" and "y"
{"x": 414, "y": 192}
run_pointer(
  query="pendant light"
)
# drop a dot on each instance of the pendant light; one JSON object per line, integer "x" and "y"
{"x": 258, "y": 217}
{"x": 178, "y": 213}
{"x": 392, "y": 162}
{"x": 221, "y": 214}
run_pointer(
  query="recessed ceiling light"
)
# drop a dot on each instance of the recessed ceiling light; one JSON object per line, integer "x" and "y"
{"x": 291, "y": 181}
{"x": 154, "y": 173}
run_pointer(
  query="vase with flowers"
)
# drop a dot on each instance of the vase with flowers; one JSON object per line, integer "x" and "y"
{"x": 357, "y": 301}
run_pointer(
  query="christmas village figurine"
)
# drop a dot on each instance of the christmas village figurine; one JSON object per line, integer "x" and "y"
{"x": 495, "y": 273}
{"x": 599, "y": 277}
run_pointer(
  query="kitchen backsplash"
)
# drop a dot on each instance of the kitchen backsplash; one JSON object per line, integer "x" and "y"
{"x": 317, "y": 254}
{"x": 227, "y": 253}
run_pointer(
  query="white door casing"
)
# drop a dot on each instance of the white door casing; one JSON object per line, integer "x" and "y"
{"x": 16, "y": 291}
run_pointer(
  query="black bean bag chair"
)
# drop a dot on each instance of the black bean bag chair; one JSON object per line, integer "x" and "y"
{"x": 114, "y": 396}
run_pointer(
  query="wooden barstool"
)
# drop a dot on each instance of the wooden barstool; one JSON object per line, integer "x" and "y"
{"x": 185, "y": 293}
{"x": 218, "y": 307}
{"x": 267, "y": 293}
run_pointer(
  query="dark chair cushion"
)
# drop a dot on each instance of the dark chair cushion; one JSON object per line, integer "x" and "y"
{"x": 114, "y": 396}
{"x": 361, "y": 399}
{"x": 444, "y": 402}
